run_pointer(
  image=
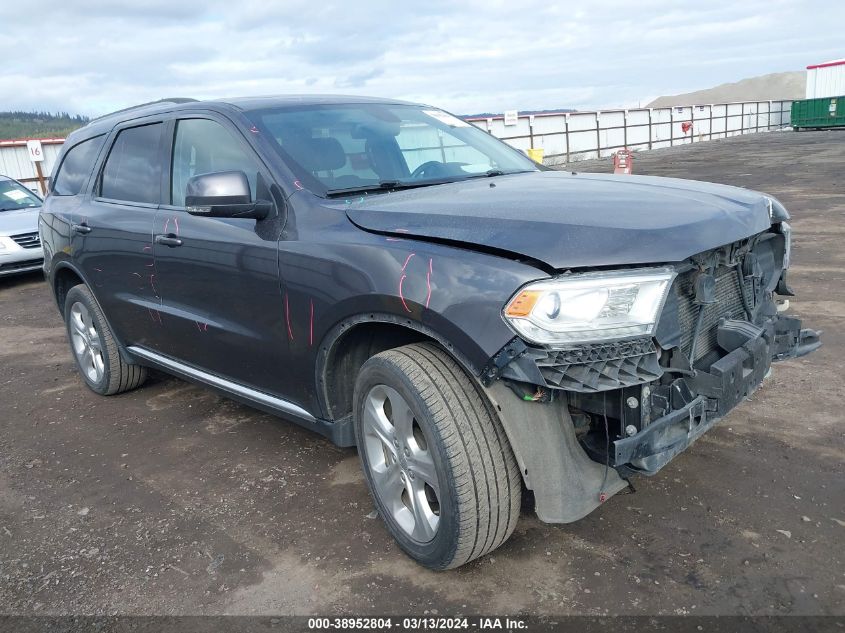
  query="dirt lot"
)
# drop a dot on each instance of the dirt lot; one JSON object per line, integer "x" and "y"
{"x": 173, "y": 500}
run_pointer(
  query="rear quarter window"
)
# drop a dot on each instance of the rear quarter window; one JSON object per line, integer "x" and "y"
{"x": 76, "y": 166}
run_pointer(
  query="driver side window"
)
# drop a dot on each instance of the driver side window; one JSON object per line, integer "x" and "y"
{"x": 202, "y": 146}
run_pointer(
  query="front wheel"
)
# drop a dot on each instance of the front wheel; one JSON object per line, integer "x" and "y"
{"x": 436, "y": 458}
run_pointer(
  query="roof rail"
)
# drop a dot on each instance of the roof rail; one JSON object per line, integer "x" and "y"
{"x": 143, "y": 105}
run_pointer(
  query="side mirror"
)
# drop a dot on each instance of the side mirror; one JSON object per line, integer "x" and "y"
{"x": 223, "y": 194}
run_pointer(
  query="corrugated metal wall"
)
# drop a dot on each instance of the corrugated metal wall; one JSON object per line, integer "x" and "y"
{"x": 15, "y": 163}
{"x": 826, "y": 80}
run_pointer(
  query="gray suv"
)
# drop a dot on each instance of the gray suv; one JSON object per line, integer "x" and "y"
{"x": 393, "y": 278}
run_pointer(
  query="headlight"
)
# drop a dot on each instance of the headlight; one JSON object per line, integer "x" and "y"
{"x": 590, "y": 307}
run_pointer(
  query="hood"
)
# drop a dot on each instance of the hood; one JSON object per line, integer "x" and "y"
{"x": 19, "y": 221}
{"x": 570, "y": 220}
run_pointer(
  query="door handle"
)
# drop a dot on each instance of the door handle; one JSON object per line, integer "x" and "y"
{"x": 166, "y": 240}
{"x": 84, "y": 229}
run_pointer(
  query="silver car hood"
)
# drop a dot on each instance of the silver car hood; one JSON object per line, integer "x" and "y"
{"x": 19, "y": 221}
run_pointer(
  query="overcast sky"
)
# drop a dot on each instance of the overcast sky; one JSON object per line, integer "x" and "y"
{"x": 91, "y": 57}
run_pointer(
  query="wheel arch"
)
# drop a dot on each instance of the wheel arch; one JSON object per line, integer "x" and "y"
{"x": 348, "y": 345}
{"x": 64, "y": 277}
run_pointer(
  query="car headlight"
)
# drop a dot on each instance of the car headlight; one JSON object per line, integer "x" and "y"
{"x": 590, "y": 307}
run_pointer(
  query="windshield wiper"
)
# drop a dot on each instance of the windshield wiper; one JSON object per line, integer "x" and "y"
{"x": 395, "y": 185}
{"x": 385, "y": 185}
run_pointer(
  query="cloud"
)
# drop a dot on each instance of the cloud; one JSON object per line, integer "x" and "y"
{"x": 91, "y": 57}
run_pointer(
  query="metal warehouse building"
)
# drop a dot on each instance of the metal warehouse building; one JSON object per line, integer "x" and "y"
{"x": 826, "y": 79}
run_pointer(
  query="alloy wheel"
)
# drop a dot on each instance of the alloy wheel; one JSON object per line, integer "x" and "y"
{"x": 402, "y": 467}
{"x": 86, "y": 344}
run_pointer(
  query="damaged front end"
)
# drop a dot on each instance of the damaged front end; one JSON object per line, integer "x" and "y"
{"x": 635, "y": 403}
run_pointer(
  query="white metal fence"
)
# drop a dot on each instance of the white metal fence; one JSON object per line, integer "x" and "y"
{"x": 573, "y": 136}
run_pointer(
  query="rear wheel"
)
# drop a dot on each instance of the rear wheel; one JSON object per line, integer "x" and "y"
{"x": 436, "y": 458}
{"x": 94, "y": 348}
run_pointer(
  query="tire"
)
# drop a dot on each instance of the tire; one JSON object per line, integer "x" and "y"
{"x": 440, "y": 425}
{"x": 94, "y": 348}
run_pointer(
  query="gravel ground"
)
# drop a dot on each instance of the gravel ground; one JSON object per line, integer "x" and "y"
{"x": 172, "y": 500}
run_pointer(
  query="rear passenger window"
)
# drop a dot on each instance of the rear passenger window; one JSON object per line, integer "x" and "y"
{"x": 203, "y": 146}
{"x": 133, "y": 168}
{"x": 75, "y": 167}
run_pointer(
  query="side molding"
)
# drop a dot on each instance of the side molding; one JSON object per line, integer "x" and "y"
{"x": 340, "y": 432}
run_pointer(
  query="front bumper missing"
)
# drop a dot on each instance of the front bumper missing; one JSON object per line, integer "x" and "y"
{"x": 707, "y": 396}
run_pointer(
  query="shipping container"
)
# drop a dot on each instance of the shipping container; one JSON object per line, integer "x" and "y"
{"x": 826, "y": 79}
{"x": 818, "y": 113}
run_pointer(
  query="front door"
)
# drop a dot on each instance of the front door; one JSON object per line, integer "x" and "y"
{"x": 219, "y": 278}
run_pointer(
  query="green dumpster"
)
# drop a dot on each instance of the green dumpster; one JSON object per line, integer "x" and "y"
{"x": 818, "y": 113}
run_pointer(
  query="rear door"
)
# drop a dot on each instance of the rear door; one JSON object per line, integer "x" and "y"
{"x": 112, "y": 234}
{"x": 219, "y": 277}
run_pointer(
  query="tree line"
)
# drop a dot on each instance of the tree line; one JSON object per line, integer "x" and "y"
{"x": 19, "y": 124}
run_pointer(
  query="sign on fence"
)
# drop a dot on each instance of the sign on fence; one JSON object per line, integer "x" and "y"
{"x": 36, "y": 154}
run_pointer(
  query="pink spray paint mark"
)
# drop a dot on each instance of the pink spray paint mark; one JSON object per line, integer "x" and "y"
{"x": 166, "y": 225}
{"x": 287, "y": 318}
{"x": 405, "y": 265}
{"x": 155, "y": 315}
{"x": 298, "y": 185}
{"x": 176, "y": 222}
{"x": 428, "y": 282}
{"x": 147, "y": 248}
{"x": 401, "y": 297}
{"x": 254, "y": 130}
{"x": 202, "y": 327}
{"x": 311, "y": 325}
{"x": 153, "y": 285}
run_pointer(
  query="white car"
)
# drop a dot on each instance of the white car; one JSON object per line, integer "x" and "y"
{"x": 20, "y": 244}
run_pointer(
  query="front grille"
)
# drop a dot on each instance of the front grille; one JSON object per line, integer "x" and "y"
{"x": 30, "y": 263}
{"x": 27, "y": 240}
{"x": 728, "y": 305}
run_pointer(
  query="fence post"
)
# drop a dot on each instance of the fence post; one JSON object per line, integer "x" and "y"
{"x": 649, "y": 129}
{"x": 692, "y": 123}
{"x": 566, "y": 134}
{"x": 625, "y": 129}
{"x": 598, "y": 135}
{"x": 530, "y": 130}
{"x": 672, "y": 126}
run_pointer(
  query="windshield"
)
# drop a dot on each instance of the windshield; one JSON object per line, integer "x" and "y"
{"x": 342, "y": 148}
{"x": 14, "y": 196}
